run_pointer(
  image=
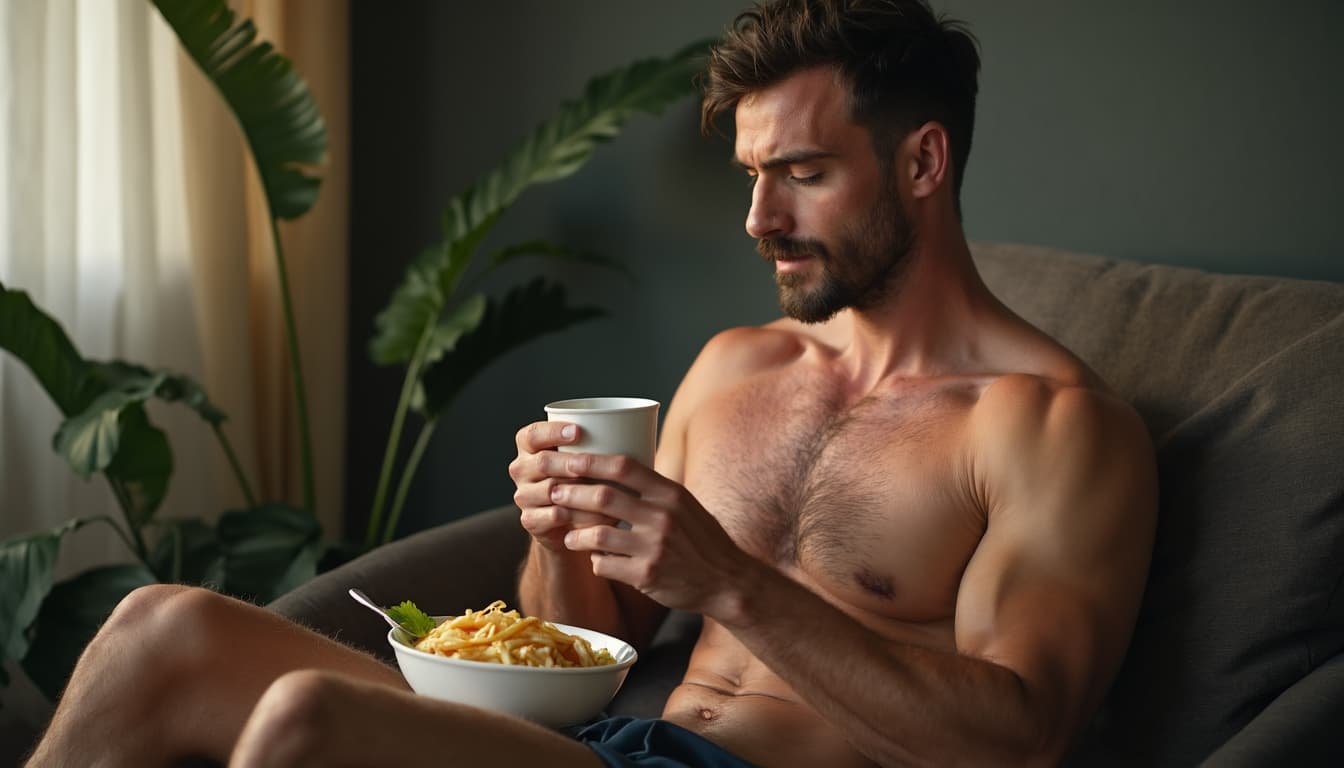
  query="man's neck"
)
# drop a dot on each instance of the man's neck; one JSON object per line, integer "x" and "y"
{"x": 929, "y": 323}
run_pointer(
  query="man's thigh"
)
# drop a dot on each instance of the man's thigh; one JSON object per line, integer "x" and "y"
{"x": 219, "y": 656}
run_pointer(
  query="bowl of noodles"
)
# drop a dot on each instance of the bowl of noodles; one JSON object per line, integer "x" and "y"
{"x": 552, "y": 674}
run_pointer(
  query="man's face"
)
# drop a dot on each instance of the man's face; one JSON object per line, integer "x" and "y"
{"x": 822, "y": 209}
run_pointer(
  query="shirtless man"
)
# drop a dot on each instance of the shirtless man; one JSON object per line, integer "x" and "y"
{"x": 917, "y": 528}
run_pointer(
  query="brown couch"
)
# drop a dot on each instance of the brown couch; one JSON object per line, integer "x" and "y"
{"x": 1238, "y": 657}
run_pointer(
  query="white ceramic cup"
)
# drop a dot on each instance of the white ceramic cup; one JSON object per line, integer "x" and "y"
{"x": 625, "y": 425}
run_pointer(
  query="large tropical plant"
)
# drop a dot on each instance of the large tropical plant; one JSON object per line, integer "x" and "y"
{"x": 257, "y": 552}
{"x": 443, "y": 334}
{"x": 440, "y": 332}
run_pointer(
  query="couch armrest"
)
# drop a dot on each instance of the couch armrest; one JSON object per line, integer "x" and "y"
{"x": 1302, "y": 727}
{"x": 445, "y": 570}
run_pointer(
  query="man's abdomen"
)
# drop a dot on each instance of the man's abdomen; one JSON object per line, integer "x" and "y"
{"x": 760, "y": 728}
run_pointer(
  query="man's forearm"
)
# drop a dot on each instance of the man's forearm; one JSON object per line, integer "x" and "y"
{"x": 898, "y": 702}
{"x": 560, "y": 586}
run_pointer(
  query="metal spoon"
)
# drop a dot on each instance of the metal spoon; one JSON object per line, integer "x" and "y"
{"x": 362, "y": 598}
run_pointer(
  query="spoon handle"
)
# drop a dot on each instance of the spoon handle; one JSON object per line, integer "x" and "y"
{"x": 363, "y": 598}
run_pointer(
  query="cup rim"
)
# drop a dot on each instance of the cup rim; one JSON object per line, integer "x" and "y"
{"x": 580, "y": 405}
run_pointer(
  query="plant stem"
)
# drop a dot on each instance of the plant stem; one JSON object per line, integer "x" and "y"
{"x": 235, "y": 465}
{"x": 122, "y": 534}
{"x": 296, "y": 370}
{"x": 407, "y": 473}
{"x": 394, "y": 437}
{"x": 177, "y": 553}
{"x": 124, "y": 501}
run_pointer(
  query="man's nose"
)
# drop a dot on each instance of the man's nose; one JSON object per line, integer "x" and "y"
{"x": 767, "y": 216}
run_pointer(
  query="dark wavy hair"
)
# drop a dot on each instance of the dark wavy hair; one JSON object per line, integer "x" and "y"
{"x": 904, "y": 66}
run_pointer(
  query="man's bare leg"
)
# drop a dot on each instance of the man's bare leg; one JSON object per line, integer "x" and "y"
{"x": 175, "y": 672}
{"x": 315, "y": 718}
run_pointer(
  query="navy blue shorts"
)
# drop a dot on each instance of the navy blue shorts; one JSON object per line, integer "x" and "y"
{"x": 628, "y": 742}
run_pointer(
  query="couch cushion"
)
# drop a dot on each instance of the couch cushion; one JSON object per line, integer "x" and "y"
{"x": 1239, "y": 381}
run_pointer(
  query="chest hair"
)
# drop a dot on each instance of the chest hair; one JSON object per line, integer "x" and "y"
{"x": 807, "y": 476}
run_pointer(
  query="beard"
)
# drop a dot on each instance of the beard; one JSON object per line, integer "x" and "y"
{"x": 859, "y": 272}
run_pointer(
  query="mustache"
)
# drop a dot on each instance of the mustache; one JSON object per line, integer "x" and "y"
{"x": 775, "y": 248}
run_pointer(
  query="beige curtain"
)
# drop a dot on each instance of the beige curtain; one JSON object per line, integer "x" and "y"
{"x": 129, "y": 212}
{"x": 93, "y": 228}
{"x": 236, "y": 291}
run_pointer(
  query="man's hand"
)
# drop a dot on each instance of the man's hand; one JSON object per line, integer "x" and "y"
{"x": 558, "y": 582}
{"x": 674, "y": 551}
{"x": 541, "y": 517}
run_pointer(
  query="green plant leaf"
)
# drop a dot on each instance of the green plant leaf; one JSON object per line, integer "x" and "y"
{"x": 420, "y": 299}
{"x": 527, "y": 311}
{"x": 102, "y": 405}
{"x": 268, "y": 550}
{"x": 143, "y": 464}
{"x": 274, "y": 108}
{"x": 187, "y": 551}
{"x": 550, "y": 250}
{"x": 413, "y": 621}
{"x": 464, "y": 318}
{"x": 27, "y": 565}
{"x": 561, "y": 145}
{"x": 338, "y": 553}
{"x": 160, "y": 383}
{"x": 89, "y": 440}
{"x": 70, "y": 617}
{"x": 554, "y": 150}
{"x": 40, "y": 343}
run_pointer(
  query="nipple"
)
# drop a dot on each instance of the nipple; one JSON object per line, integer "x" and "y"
{"x": 707, "y": 714}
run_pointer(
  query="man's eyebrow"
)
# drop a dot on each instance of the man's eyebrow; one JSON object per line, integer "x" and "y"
{"x": 788, "y": 158}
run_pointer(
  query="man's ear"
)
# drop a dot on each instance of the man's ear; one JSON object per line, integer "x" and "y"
{"x": 927, "y": 159}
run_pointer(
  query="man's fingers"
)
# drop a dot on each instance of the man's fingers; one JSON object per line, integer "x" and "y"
{"x": 536, "y": 494}
{"x": 540, "y": 435}
{"x": 610, "y": 467}
{"x": 601, "y": 538}
{"x": 542, "y": 520}
{"x": 539, "y": 520}
{"x": 580, "y": 519}
{"x": 617, "y": 504}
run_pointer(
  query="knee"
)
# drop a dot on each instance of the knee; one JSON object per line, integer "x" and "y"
{"x": 139, "y": 608}
{"x": 165, "y": 609}
{"x": 171, "y": 624}
{"x": 291, "y": 721}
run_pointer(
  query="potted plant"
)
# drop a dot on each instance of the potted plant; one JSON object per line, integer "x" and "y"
{"x": 440, "y": 332}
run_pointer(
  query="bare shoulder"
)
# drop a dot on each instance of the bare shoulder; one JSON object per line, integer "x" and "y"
{"x": 1021, "y": 413}
{"x": 729, "y": 357}
{"x": 1034, "y": 438}
{"x": 1021, "y": 399}
{"x": 735, "y": 354}
{"x": 742, "y": 351}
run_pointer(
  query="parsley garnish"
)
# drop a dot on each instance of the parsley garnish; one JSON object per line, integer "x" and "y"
{"x": 413, "y": 621}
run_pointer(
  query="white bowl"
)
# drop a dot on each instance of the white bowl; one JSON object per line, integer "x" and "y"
{"x": 553, "y": 697}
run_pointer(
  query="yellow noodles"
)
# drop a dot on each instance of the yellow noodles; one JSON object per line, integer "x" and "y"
{"x": 504, "y": 637}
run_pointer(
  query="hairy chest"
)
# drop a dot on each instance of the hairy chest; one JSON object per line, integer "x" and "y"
{"x": 867, "y": 501}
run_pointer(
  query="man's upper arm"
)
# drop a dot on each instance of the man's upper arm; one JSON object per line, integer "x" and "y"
{"x": 1069, "y": 485}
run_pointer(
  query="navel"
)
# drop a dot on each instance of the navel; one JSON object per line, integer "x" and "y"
{"x": 874, "y": 583}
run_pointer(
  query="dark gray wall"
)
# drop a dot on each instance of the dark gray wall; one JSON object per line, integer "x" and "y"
{"x": 1197, "y": 133}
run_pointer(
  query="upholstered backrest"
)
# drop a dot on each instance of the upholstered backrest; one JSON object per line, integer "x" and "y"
{"x": 1241, "y": 382}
